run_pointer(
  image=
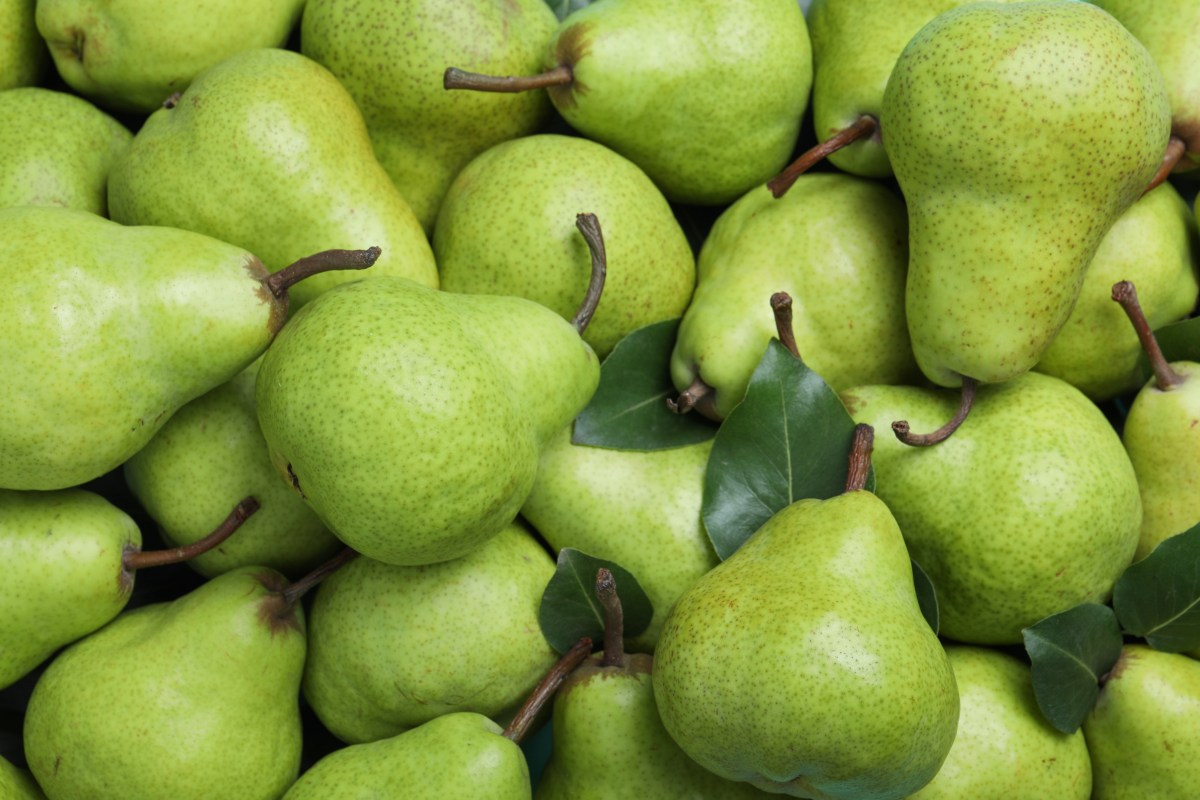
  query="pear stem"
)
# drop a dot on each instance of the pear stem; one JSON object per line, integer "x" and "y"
{"x": 455, "y": 78}
{"x": 864, "y": 126}
{"x": 324, "y": 261}
{"x": 589, "y": 227}
{"x": 901, "y": 429}
{"x": 1125, "y": 294}
{"x": 545, "y": 689}
{"x": 1176, "y": 147}
{"x": 297, "y": 589}
{"x": 860, "y": 457}
{"x": 690, "y": 396}
{"x": 614, "y": 619}
{"x": 781, "y": 305}
{"x": 172, "y": 100}
{"x": 135, "y": 560}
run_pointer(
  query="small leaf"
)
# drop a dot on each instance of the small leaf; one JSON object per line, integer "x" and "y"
{"x": 562, "y": 8}
{"x": 570, "y": 610}
{"x": 1158, "y": 598}
{"x": 926, "y": 597}
{"x": 788, "y": 439}
{"x": 1070, "y": 652}
{"x": 629, "y": 409}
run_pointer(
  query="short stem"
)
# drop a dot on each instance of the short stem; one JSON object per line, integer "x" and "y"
{"x": 542, "y": 693}
{"x": 589, "y": 227}
{"x": 324, "y": 261}
{"x": 134, "y": 559}
{"x": 614, "y": 619}
{"x": 172, "y": 100}
{"x": 455, "y": 78}
{"x": 297, "y": 589}
{"x": 1125, "y": 294}
{"x": 943, "y": 433}
{"x": 781, "y": 304}
{"x": 688, "y": 398}
{"x": 860, "y": 457}
{"x": 1176, "y": 147}
{"x": 864, "y": 126}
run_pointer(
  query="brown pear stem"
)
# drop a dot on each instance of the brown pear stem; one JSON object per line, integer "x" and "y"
{"x": 297, "y": 589}
{"x": 690, "y": 396}
{"x": 326, "y": 260}
{"x": 589, "y": 227}
{"x": 172, "y": 100}
{"x": 614, "y": 619}
{"x": 864, "y": 126}
{"x": 455, "y": 78}
{"x": 781, "y": 305}
{"x": 140, "y": 559}
{"x": 1125, "y": 294}
{"x": 542, "y": 693}
{"x": 1176, "y": 147}
{"x": 860, "y": 457}
{"x": 900, "y": 427}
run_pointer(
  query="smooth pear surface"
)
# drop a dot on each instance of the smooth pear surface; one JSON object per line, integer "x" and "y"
{"x": 23, "y": 56}
{"x": 18, "y": 784}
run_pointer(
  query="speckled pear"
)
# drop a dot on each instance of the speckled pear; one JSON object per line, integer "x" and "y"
{"x": 23, "y": 56}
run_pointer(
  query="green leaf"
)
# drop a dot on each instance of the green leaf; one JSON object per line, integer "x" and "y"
{"x": 1158, "y": 598}
{"x": 562, "y": 8}
{"x": 629, "y": 409}
{"x": 926, "y": 597}
{"x": 789, "y": 439}
{"x": 1070, "y": 652}
{"x": 570, "y": 610}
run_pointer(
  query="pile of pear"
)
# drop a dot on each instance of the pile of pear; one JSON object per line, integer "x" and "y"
{"x": 351, "y": 268}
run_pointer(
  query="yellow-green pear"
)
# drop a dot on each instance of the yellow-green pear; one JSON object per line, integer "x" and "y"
{"x": 17, "y": 783}
{"x": 23, "y": 56}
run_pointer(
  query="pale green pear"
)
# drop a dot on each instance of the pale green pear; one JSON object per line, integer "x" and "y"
{"x": 411, "y": 419}
{"x": 391, "y": 648}
{"x": 1142, "y": 733}
{"x": 267, "y": 151}
{"x": 1030, "y": 508}
{"x": 18, "y": 784}
{"x": 1153, "y": 244}
{"x": 106, "y": 330}
{"x": 507, "y": 227}
{"x": 56, "y": 149}
{"x": 638, "y": 509}
{"x": 207, "y": 457}
{"x": 196, "y": 698}
{"x": 459, "y": 756}
{"x": 131, "y": 55}
{"x": 390, "y": 56}
{"x": 837, "y": 245}
{"x": 1005, "y": 749}
{"x": 23, "y": 56}
{"x": 988, "y": 115}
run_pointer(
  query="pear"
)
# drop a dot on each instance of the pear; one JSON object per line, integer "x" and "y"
{"x": 392, "y": 67}
{"x": 267, "y": 151}
{"x": 1030, "y": 508}
{"x": 1005, "y": 749}
{"x": 813, "y": 618}
{"x": 1142, "y": 733}
{"x": 986, "y": 117}
{"x": 506, "y": 227}
{"x": 18, "y": 784}
{"x": 837, "y": 245}
{"x": 130, "y": 55}
{"x": 23, "y": 56}
{"x": 196, "y": 698}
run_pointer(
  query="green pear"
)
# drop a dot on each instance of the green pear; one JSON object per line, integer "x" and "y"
{"x": 987, "y": 117}
{"x": 506, "y": 227}
{"x": 1142, "y": 733}
{"x": 1029, "y": 509}
{"x": 737, "y": 77}
{"x": 411, "y": 419}
{"x": 18, "y": 784}
{"x": 267, "y": 151}
{"x": 196, "y": 698}
{"x": 391, "y": 648}
{"x": 837, "y": 245}
{"x": 638, "y": 509}
{"x": 813, "y": 618}
{"x": 56, "y": 149}
{"x": 131, "y": 55}
{"x": 392, "y": 67}
{"x": 1154, "y": 245}
{"x": 209, "y": 455}
{"x": 23, "y": 55}
{"x": 1005, "y": 749}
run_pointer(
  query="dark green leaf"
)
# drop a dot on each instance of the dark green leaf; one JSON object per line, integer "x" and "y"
{"x": 926, "y": 597}
{"x": 789, "y": 439}
{"x": 1070, "y": 652}
{"x": 1180, "y": 341}
{"x": 1158, "y": 598}
{"x": 562, "y": 8}
{"x": 629, "y": 409}
{"x": 570, "y": 610}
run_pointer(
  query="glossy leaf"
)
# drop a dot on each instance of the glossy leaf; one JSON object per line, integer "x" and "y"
{"x": 570, "y": 610}
{"x": 1158, "y": 598}
{"x": 926, "y": 597}
{"x": 1070, "y": 652}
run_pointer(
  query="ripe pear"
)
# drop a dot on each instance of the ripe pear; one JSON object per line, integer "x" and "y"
{"x": 267, "y": 151}
{"x": 18, "y": 784}
{"x": 987, "y": 116}
{"x": 23, "y": 56}
{"x": 392, "y": 67}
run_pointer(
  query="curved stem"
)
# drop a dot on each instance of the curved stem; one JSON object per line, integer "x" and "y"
{"x": 1176, "y": 147}
{"x": 324, "y": 261}
{"x": 688, "y": 398}
{"x": 298, "y": 588}
{"x": 781, "y": 304}
{"x": 1125, "y": 294}
{"x": 614, "y": 619}
{"x": 864, "y": 126}
{"x": 860, "y": 457}
{"x": 589, "y": 227}
{"x": 943, "y": 433}
{"x": 135, "y": 559}
{"x": 455, "y": 78}
{"x": 541, "y": 693}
